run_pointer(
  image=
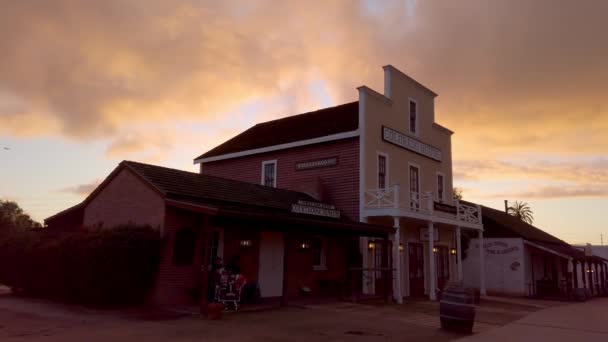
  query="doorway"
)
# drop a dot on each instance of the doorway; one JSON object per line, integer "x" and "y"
{"x": 416, "y": 269}
{"x": 270, "y": 271}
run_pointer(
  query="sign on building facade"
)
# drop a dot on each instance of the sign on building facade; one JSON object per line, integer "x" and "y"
{"x": 399, "y": 139}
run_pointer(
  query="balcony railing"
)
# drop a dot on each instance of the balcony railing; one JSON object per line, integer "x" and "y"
{"x": 421, "y": 202}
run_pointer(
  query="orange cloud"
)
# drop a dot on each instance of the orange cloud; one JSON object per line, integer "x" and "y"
{"x": 508, "y": 83}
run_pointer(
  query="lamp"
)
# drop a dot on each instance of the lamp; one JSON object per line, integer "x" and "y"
{"x": 435, "y": 249}
{"x": 304, "y": 245}
{"x": 371, "y": 245}
{"x": 453, "y": 251}
{"x": 246, "y": 243}
{"x": 400, "y": 247}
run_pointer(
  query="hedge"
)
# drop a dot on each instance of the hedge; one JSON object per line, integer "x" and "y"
{"x": 110, "y": 267}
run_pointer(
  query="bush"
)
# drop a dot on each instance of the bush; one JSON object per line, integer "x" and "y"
{"x": 107, "y": 267}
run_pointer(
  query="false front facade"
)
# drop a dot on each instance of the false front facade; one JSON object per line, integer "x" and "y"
{"x": 381, "y": 160}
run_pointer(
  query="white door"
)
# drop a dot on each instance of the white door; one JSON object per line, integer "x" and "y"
{"x": 271, "y": 264}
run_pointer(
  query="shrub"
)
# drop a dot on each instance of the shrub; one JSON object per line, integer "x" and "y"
{"x": 100, "y": 267}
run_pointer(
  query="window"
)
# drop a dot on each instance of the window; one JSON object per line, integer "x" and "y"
{"x": 183, "y": 247}
{"x": 269, "y": 173}
{"x": 382, "y": 171}
{"x": 413, "y": 117}
{"x": 440, "y": 187}
{"x": 317, "y": 247}
{"x": 215, "y": 246}
{"x": 414, "y": 179}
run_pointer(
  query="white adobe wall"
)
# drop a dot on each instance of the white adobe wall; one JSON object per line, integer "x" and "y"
{"x": 504, "y": 266}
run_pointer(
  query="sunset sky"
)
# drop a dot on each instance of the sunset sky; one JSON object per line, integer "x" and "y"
{"x": 523, "y": 83}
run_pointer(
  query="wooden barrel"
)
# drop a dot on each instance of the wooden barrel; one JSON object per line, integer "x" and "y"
{"x": 457, "y": 308}
{"x": 579, "y": 295}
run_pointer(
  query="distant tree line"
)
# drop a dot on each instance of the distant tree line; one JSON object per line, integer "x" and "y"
{"x": 12, "y": 217}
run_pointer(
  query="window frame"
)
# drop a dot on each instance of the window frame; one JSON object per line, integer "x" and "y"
{"x": 386, "y": 170}
{"x": 442, "y": 197}
{"x": 263, "y": 173}
{"x": 415, "y": 132}
{"x": 409, "y": 178}
{"x": 322, "y": 266}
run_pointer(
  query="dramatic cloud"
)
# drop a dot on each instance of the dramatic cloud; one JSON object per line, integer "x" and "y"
{"x": 514, "y": 77}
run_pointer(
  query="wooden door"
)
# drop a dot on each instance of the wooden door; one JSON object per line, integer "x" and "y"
{"x": 270, "y": 273}
{"x": 416, "y": 269}
{"x": 442, "y": 261}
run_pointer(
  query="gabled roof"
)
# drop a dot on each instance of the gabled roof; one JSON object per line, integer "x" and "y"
{"x": 497, "y": 223}
{"x": 518, "y": 227}
{"x": 324, "y": 122}
{"x": 230, "y": 198}
{"x": 178, "y": 184}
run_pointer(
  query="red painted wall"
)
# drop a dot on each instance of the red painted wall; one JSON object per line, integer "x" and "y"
{"x": 340, "y": 183}
{"x": 174, "y": 282}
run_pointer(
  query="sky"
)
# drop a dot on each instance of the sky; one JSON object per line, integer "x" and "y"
{"x": 523, "y": 83}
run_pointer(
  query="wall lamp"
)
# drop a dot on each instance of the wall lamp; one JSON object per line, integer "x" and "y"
{"x": 245, "y": 243}
{"x": 400, "y": 247}
{"x": 304, "y": 245}
{"x": 453, "y": 251}
{"x": 435, "y": 249}
{"x": 371, "y": 245}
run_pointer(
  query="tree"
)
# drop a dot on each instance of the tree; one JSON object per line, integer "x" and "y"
{"x": 13, "y": 217}
{"x": 457, "y": 193}
{"x": 522, "y": 211}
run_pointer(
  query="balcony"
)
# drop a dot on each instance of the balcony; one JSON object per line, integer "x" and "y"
{"x": 422, "y": 205}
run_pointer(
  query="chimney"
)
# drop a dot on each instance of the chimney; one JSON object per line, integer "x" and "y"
{"x": 506, "y": 206}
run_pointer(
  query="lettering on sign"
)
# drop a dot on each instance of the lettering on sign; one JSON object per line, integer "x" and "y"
{"x": 315, "y": 164}
{"x": 446, "y": 208}
{"x": 498, "y": 248}
{"x": 316, "y": 209}
{"x": 399, "y": 139}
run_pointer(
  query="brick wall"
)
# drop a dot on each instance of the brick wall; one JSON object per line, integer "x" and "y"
{"x": 340, "y": 183}
{"x": 125, "y": 199}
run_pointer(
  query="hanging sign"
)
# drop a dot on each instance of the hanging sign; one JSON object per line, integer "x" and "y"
{"x": 399, "y": 139}
{"x": 316, "y": 209}
{"x": 424, "y": 234}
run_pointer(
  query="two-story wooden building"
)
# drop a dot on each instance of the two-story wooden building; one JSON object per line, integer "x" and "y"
{"x": 383, "y": 160}
{"x": 357, "y": 194}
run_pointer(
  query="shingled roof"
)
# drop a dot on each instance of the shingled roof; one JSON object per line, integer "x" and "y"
{"x": 180, "y": 184}
{"x": 320, "y": 123}
{"x": 500, "y": 224}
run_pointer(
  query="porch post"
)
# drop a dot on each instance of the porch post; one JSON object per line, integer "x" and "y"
{"x": 205, "y": 231}
{"x": 398, "y": 296}
{"x": 482, "y": 266}
{"x": 458, "y": 254}
{"x": 432, "y": 273}
{"x": 574, "y": 274}
{"x": 285, "y": 269}
{"x": 583, "y": 274}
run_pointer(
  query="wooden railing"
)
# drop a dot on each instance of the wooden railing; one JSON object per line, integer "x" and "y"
{"x": 420, "y": 202}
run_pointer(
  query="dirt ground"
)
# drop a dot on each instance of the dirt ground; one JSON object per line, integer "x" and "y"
{"x": 34, "y": 319}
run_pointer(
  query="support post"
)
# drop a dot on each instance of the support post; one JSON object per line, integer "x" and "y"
{"x": 285, "y": 269}
{"x": 482, "y": 266}
{"x": 206, "y": 237}
{"x": 432, "y": 270}
{"x": 574, "y": 274}
{"x": 459, "y": 253}
{"x": 397, "y": 294}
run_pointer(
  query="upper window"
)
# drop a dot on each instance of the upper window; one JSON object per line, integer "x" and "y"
{"x": 381, "y": 171}
{"x": 414, "y": 179}
{"x": 269, "y": 173}
{"x": 440, "y": 187}
{"x": 413, "y": 117}
{"x": 317, "y": 247}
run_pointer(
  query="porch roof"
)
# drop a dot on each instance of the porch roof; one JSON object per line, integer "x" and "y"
{"x": 500, "y": 224}
{"x": 283, "y": 218}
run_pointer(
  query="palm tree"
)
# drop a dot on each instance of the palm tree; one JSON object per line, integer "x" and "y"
{"x": 522, "y": 211}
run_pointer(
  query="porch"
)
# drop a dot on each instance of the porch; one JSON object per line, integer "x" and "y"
{"x": 282, "y": 256}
